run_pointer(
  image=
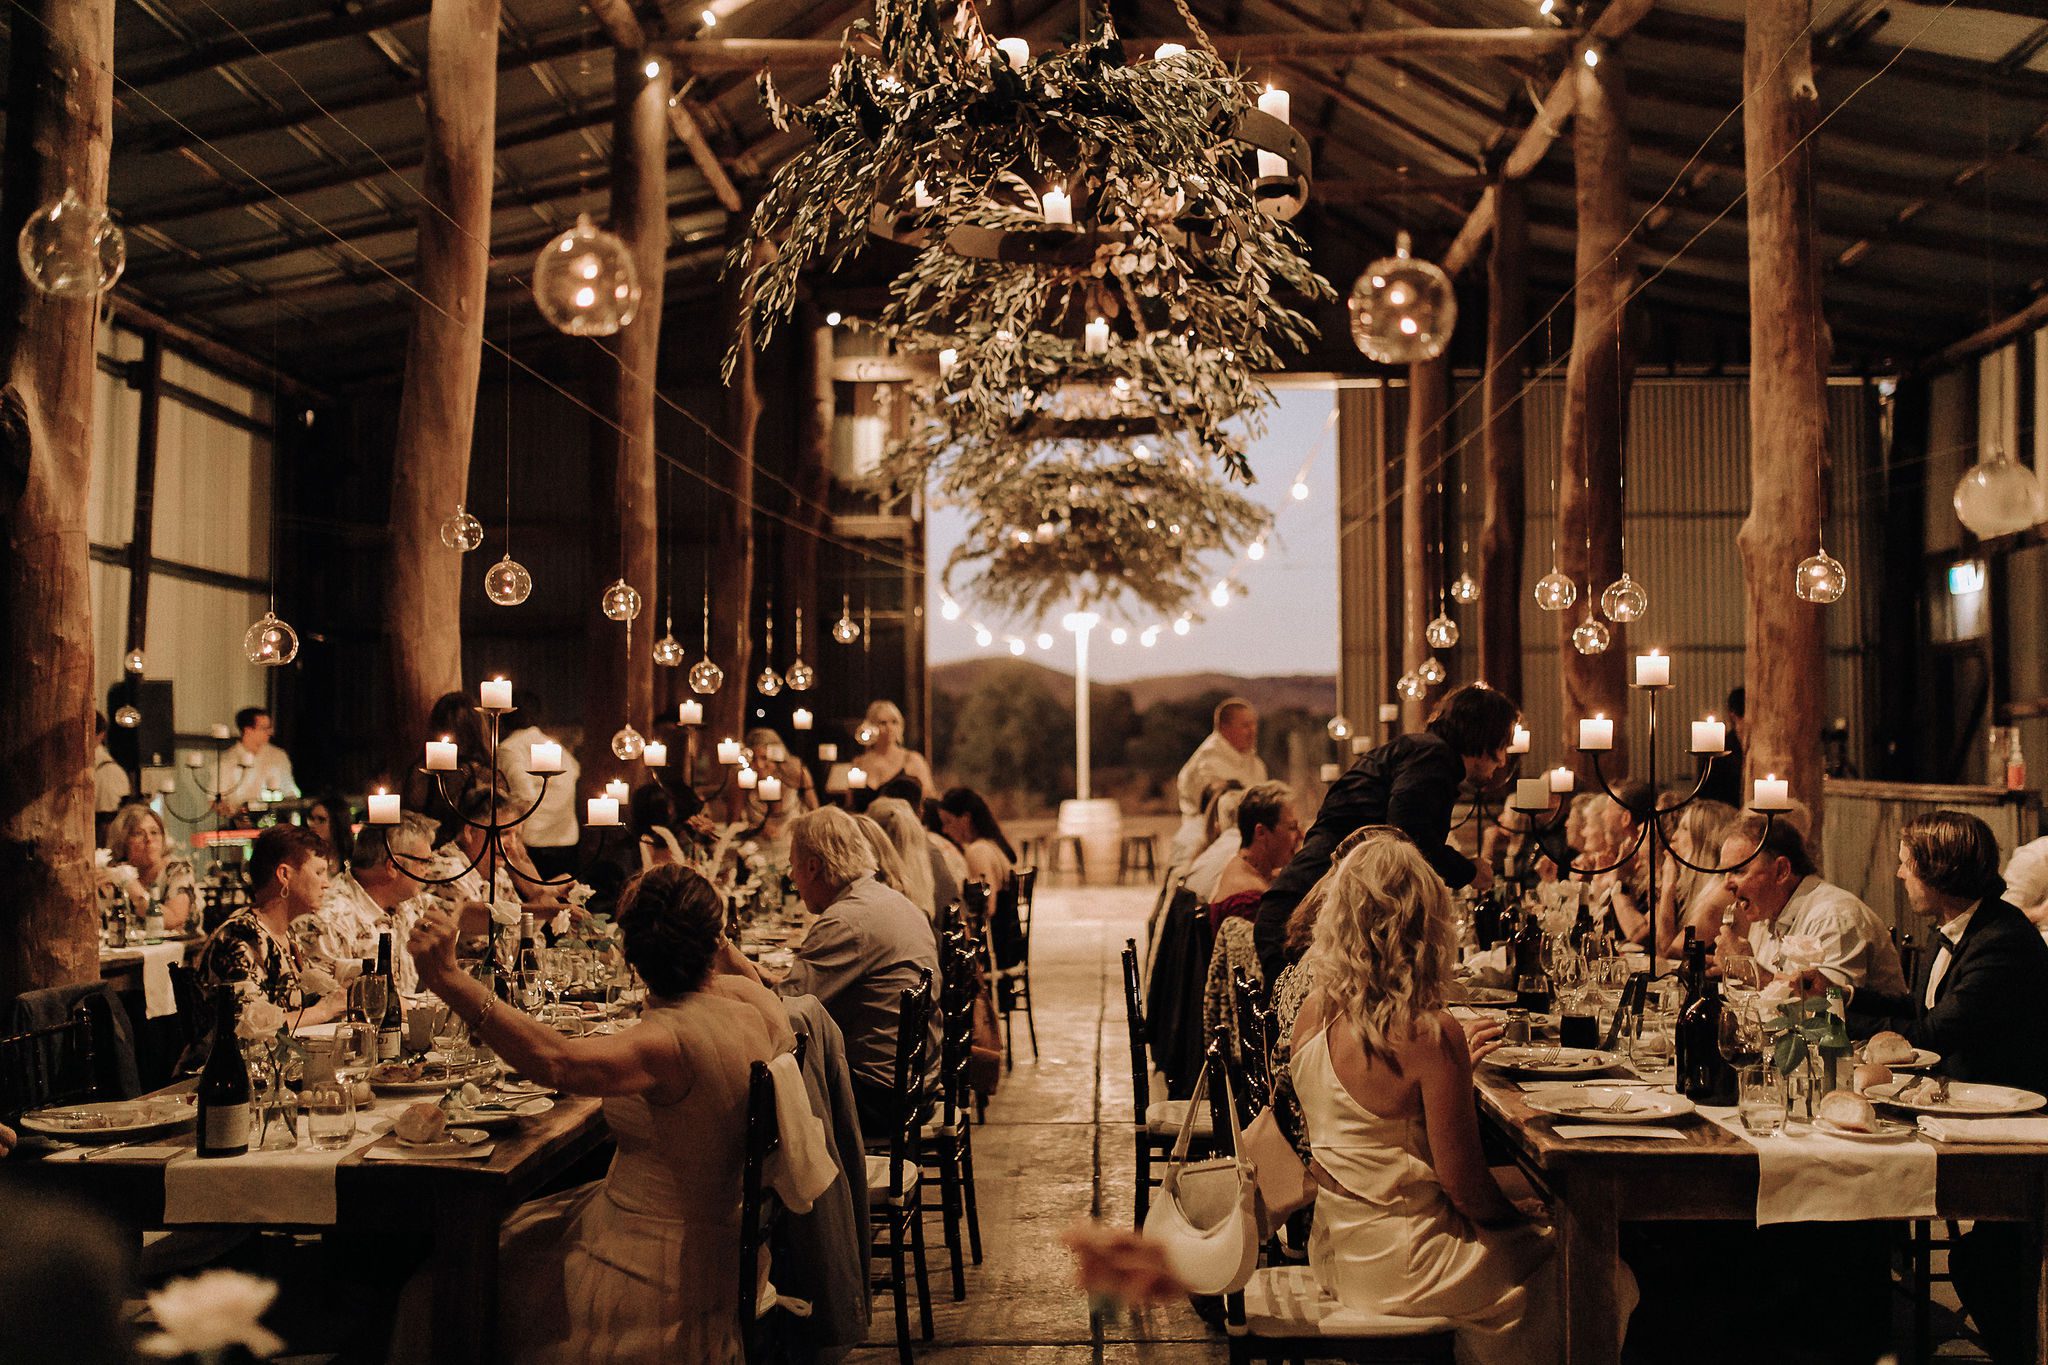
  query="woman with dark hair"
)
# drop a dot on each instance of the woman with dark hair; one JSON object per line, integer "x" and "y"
{"x": 638, "y": 1266}
{"x": 651, "y": 811}
{"x": 332, "y": 821}
{"x": 455, "y": 718}
{"x": 968, "y": 822}
{"x": 1410, "y": 783}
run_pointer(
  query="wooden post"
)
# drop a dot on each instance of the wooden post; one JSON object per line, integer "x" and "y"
{"x": 1500, "y": 537}
{"x": 813, "y": 482}
{"x": 60, "y": 118}
{"x": 1428, "y": 397}
{"x": 1786, "y": 668}
{"x": 1594, "y": 411}
{"x": 625, "y": 538}
{"x": 437, "y": 412}
{"x": 732, "y": 547}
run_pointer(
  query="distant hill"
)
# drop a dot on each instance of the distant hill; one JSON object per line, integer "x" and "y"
{"x": 1308, "y": 691}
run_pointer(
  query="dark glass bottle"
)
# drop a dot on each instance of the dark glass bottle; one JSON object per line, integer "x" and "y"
{"x": 1532, "y": 983}
{"x": 224, "y": 1084}
{"x": 391, "y": 1027}
{"x": 1702, "y": 1074}
{"x": 1582, "y": 927}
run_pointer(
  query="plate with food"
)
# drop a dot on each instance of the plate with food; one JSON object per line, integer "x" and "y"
{"x": 1608, "y": 1104}
{"x": 422, "y": 1131}
{"x": 1479, "y": 997}
{"x": 1846, "y": 1114}
{"x": 1892, "y": 1050}
{"x": 1955, "y": 1099}
{"x": 1552, "y": 1062}
{"x": 419, "y": 1078}
{"x": 112, "y": 1120}
{"x": 490, "y": 1110}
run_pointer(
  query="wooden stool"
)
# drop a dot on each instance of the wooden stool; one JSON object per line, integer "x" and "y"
{"x": 1139, "y": 853}
{"x": 1062, "y": 843}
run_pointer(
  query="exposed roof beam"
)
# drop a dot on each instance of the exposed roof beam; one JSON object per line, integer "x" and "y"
{"x": 269, "y": 40}
{"x": 1989, "y": 338}
{"x": 683, "y": 121}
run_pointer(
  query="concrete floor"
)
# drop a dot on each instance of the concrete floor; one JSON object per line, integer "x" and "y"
{"x": 1056, "y": 1149}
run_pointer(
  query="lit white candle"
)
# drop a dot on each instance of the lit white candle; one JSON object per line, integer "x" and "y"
{"x": 654, "y": 754}
{"x": 922, "y": 196}
{"x": 1168, "y": 51}
{"x": 1095, "y": 338}
{"x": 1771, "y": 793}
{"x": 1328, "y": 773}
{"x": 497, "y": 695}
{"x": 690, "y": 713}
{"x": 828, "y": 753}
{"x": 1016, "y": 51}
{"x": 1596, "y": 734}
{"x": 1709, "y": 736}
{"x": 770, "y": 790}
{"x": 728, "y": 751}
{"x": 193, "y": 758}
{"x": 748, "y": 779}
{"x": 949, "y": 360}
{"x": 218, "y": 730}
{"x": 856, "y": 777}
{"x": 441, "y": 755}
{"x": 1562, "y": 780}
{"x": 1058, "y": 207}
{"x": 1653, "y": 670}
{"x": 800, "y": 719}
{"x": 544, "y": 757}
{"x": 383, "y": 808}
{"x": 619, "y": 790}
{"x": 1361, "y": 743}
{"x": 1531, "y": 794}
{"x": 1390, "y": 712}
{"x": 1520, "y": 743}
{"x": 1276, "y": 103}
{"x": 601, "y": 812}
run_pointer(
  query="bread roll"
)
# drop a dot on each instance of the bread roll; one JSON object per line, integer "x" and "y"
{"x": 1868, "y": 1074}
{"x": 1888, "y": 1047}
{"x": 421, "y": 1123}
{"x": 1847, "y": 1109}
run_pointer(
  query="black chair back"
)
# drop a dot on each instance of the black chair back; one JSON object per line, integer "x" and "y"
{"x": 974, "y": 901}
{"x": 47, "y": 1066}
{"x": 1254, "y": 1038}
{"x": 1134, "y": 1014}
{"x": 757, "y": 1205}
{"x": 907, "y": 1093}
{"x": 957, "y": 991}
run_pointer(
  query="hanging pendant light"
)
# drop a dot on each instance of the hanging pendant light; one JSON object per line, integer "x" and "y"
{"x": 134, "y": 662}
{"x": 71, "y": 250}
{"x": 1625, "y": 600}
{"x": 1556, "y": 592}
{"x": 1591, "y": 636}
{"x": 462, "y": 532}
{"x": 668, "y": 650}
{"x": 270, "y": 643}
{"x": 1339, "y": 728}
{"x": 1412, "y": 686}
{"x": 1820, "y": 578}
{"x": 621, "y": 601}
{"x": 507, "y": 582}
{"x": 706, "y": 677}
{"x": 1402, "y": 309}
{"x": 1465, "y": 589}
{"x": 844, "y": 630}
{"x": 1998, "y": 496}
{"x": 628, "y": 744}
{"x": 127, "y": 717}
{"x": 1431, "y": 671}
{"x": 769, "y": 682}
{"x": 800, "y": 677}
{"x": 1441, "y": 632}
{"x": 584, "y": 281}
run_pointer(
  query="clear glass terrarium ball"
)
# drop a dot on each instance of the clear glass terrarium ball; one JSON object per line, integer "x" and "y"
{"x": 584, "y": 281}
{"x": 1402, "y": 309}
{"x": 507, "y": 582}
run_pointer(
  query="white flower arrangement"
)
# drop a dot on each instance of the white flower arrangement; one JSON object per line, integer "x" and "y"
{"x": 207, "y": 1313}
{"x": 260, "y": 1022}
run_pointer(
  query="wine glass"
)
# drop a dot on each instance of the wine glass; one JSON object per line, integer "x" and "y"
{"x": 371, "y": 997}
{"x": 355, "y": 1052}
{"x": 1739, "y": 1035}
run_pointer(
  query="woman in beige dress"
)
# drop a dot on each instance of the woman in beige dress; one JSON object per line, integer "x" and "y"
{"x": 638, "y": 1267}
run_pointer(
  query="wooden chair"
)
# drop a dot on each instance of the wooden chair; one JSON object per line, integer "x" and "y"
{"x": 48, "y": 1066}
{"x": 948, "y": 1136}
{"x": 1155, "y": 1124}
{"x": 1013, "y": 962}
{"x": 895, "y": 1183}
{"x": 757, "y": 1210}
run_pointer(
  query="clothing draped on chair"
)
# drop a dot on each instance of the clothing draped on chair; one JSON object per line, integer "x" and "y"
{"x": 1173, "y": 1001}
{"x": 822, "y": 1255}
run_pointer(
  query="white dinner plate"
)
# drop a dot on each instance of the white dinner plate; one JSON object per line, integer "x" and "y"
{"x": 112, "y": 1120}
{"x": 1480, "y": 997}
{"x": 1887, "y": 1130}
{"x": 1966, "y": 1099}
{"x": 493, "y": 1120}
{"x": 1559, "y": 1062}
{"x": 1919, "y": 1061}
{"x": 393, "y": 1080}
{"x": 1589, "y": 1104}
{"x": 458, "y": 1141}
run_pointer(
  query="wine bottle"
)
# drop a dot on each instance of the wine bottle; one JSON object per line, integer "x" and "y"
{"x": 1698, "y": 1046}
{"x": 1532, "y": 983}
{"x": 390, "y": 1027}
{"x": 1834, "y": 1043}
{"x": 224, "y": 1084}
{"x": 532, "y": 984}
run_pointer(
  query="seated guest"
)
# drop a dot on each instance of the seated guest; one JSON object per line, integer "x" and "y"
{"x": 637, "y": 1267}
{"x": 163, "y": 879}
{"x": 972, "y": 827}
{"x": 332, "y": 821}
{"x": 2026, "y": 881}
{"x": 1621, "y": 894}
{"x": 1268, "y": 832}
{"x": 944, "y": 850}
{"x": 889, "y": 868}
{"x": 651, "y": 811}
{"x": 376, "y": 896}
{"x": 884, "y": 758}
{"x": 1778, "y": 895}
{"x": 1220, "y": 813}
{"x": 861, "y": 955}
{"x": 1411, "y": 783}
{"x": 254, "y": 950}
{"x": 920, "y": 867}
{"x": 1687, "y": 898}
{"x": 1410, "y": 1222}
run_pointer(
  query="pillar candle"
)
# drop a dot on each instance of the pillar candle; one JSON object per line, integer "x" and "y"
{"x": 1168, "y": 51}
{"x": 1771, "y": 793}
{"x": 1361, "y": 744}
{"x": 1096, "y": 338}
{"x": 690, "y": 713}
{"x": 1016, "y": 51}
{"x": 1709, "y": 736}
{"x": 441, "y": 755}
{"x": 544, "y": 757}
{"x": 1520, "y": 743}
{"x": 655, "y": 754}
{"x": 383, "y": 808}
{"x": 1531, "y": 794}
{"x": 799, "y": 719}
{"x": 1390, "y": 712}
{"x": 1563, "y": 780}
{"x": 218, "y": 730}
{"x": 728, "y": 751}
{"x": 1653, "y": 670}
{"x": 921, "y": 196}
{"x": 193, "y": 758}
{"x": 828, "y": 753}
{"x": 1329, "y": 772}
{"x": 748, "y": 779}
{"x": 1596, "y": 734}
{"x": 1058, "y": 207}
{"x": 601, "y": 812}
{"x": 497, "y": 695}
{"x": 618, "y": 790}
{"x": 856, "y": 777}
{"x": 1276, "y": 103}
{"x": 770, "y": 790}
{"x": 949, "y": 359}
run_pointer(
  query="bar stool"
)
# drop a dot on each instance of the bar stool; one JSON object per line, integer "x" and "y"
{"x": 1138, "y": 853}
{"x": 1062, "y": 844}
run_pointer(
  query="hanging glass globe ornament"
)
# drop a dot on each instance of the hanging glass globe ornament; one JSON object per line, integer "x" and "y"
{"x": 1412, "y": 686}
{"x": 844, "y": 630}
{"x": 133, "y": 662}
{"x": 1592, "y": 636}
{"x": 706, "y": 677}
{"x": 628, "y": 744}
{"x": 800, "y": 677}
{"x": 71, "y": 250}
{"x": 507, "y": 582}
{"x": 127, "y": 717}
{"x": 769, "y": 683}
{"x": 270, "y": 642}
{"x": 1431, "y": 671}
{"x": 1402, "y": 309}
{"x": 1555, "y": 592}
{"x": 668, "y": 651}
{"x": 584, "y": 281}
{"x": 865, "y": 735}
{"x": 1997, "y": 497}
{"x": 1442, "y": 632}
{"x": 621, "y": 601}
{"x": 1820, "y": 578}
{"x": 1465, "y": 588}
{"x": 1624, "y": 600}
{"x": 462, "y": 532}
{"x": 1339, "y": 728}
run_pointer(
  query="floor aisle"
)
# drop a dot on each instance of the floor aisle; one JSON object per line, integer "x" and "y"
{"x": 1056, "y": 1148}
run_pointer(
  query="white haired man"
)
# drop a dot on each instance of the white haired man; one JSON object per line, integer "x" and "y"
{"x": 865, "y": 950}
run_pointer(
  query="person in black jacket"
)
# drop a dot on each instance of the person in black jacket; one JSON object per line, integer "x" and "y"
{"x": 1980, "y": 999}
{"x": 1410, "y": 783}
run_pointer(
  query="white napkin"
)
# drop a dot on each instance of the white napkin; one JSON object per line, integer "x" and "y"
{"x": 99, "y": 1154}
{"x": 393, "y": 1152}
{"x": 800, "y": 1169}
{"x": 1489, "y": 968}
{"x": 1616, "y": 1130}
{"x": 2031, "y": 1131}
{"x": 158, "y": 1000}
{"x": 1806, "y": 1176}
{"x": 258, "y": 1187}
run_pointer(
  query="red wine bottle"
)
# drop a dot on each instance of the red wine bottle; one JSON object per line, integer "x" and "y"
{"x": 391, "y": 1026}
{"x": 224, "y": 1084}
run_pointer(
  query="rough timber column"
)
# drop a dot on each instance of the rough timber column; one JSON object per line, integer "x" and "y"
{"x": 1428, "y": 396}
{"x": 1786, "y": 669}
{"x": 732, "y": 523}
{"x": 1500, "y": 536}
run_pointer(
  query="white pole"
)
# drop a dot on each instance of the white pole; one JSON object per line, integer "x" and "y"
{"x": 1081, "y": 714}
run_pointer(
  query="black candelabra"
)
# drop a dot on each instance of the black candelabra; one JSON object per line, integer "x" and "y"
{"x": 210, "y": 795}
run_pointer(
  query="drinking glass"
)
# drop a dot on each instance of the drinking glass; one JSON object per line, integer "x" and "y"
{"x": 1760, "y": 1097}
{"x": 1739, "y": 1035}
{"x": 370, "y": 996}
{"x": 355, "y": 1052}
{"x": 330, "y": 1109}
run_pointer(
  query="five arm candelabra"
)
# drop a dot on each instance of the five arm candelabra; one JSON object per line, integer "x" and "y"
{"x": 212, "y": 794}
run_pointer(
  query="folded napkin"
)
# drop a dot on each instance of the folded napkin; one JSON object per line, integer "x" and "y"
{"x": 1807, "y": 1176}
{"x": 2031, "y": 1131}
{"x": 1489, "y": 968}
{"x": 1617, "y": 1130}
{"x": 99, "y": 1154}
{"x": 394, "y": 1152}
{"x": 158, "y": 1000}
{"x": 258, "y": 1187}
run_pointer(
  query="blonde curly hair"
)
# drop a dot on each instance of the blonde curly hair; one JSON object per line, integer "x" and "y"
{"x": 1384, "y": 944}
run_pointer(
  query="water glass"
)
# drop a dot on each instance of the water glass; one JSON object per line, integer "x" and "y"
{"x": 355, "y": 1051}
{"x": 1760, "y": 1096}
{"x": 330, "y": 1109}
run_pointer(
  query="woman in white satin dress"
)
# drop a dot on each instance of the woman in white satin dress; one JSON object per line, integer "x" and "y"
{"x": 1410, "y": 1221}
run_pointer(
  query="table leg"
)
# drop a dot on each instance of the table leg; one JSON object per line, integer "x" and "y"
{"x": 1589, "y": 1250}
{"x": 465, "y": 1281}
{"x": 2037, "y": 1246}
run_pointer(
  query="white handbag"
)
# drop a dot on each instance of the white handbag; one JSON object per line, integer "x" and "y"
{"x": 1206, "y": 1217}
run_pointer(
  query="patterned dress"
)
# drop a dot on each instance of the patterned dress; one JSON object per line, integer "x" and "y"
{"x": 245, "y": 954}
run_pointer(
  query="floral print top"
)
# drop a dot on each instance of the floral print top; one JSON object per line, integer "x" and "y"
{"x": 245, "y": 954}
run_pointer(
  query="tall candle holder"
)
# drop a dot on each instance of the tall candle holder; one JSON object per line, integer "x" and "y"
{"x": 210, "y": 795}
{"x": 1499, "y": 787}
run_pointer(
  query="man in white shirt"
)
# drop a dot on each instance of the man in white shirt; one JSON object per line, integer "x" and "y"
{"x": 551, "y": 834}
{"x": 1779, "y": 896}
{"x": 255, "y": 769}
{"x": 111, "y": 784}
{"x": 378, "y": 894}
{"x": 1229, "y": 754}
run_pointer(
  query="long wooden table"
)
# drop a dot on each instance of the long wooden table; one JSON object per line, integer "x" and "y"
{"x": 461, "y": 1204}
{"x": 1595, "y": 1184}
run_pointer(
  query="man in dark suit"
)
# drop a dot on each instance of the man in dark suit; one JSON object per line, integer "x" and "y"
{"x": 1980, "y": 999}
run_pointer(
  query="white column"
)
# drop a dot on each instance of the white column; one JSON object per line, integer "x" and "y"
{"x": 1081, "y": 623}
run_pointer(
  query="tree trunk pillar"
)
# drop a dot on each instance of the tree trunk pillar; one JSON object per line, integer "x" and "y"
{"x": 1786, "y": 666}
{"x": 732, "y": 546}
{"x": 1500, "y": 535}
{"x": 1428, "y": 397}
{"x": 60, "y": 117}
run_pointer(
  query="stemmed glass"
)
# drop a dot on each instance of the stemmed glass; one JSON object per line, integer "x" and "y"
{"x": 1740, "y": 1034}
{"x": 371, "y": 988}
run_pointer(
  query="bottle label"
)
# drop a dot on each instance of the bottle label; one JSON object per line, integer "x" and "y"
{"x": 387, "y": 1045}
{"x": 224, "y": 1126}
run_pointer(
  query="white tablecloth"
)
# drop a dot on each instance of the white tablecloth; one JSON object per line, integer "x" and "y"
{"x": 261, "y": 1187}
{"x": 1806, "y": 1176}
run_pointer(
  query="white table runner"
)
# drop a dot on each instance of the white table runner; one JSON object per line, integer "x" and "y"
{"x": 1806, "y": 1176}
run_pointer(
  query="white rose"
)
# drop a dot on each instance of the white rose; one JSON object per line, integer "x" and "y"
{"x": 1799, "y": 953}
{"x": 260, "y": 1021}
{"x": 560, "y": 924}
{"x": 315, "y": 982}
{"x": 211, "y": 1312}
{"x": 579, "y": 894}
{"x": 1777, "y": 993}
{"x": 103, "y": 858}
